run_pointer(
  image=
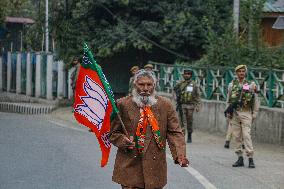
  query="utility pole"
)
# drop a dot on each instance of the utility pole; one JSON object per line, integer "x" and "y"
{"x": 46, "y": 27}
{"x": 236, "y": 15}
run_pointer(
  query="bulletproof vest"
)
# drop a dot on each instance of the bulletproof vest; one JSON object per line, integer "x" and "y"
{"x": 244, "y": 97}
{"x": 186, "y": 91}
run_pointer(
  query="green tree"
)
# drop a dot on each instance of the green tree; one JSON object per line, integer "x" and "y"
{"x": 3, "y": 11}
{"x": 223, "y": 49}
{"x": 160, "y": 30}
{"x": 16, "y": 7}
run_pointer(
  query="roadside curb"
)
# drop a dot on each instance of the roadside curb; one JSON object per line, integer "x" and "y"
{"x": 26, "y": 108}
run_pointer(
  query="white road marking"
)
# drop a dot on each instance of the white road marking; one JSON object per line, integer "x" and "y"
{"x": 192, "y": 171}
{"x": 198, "y": 176}
{"x": 66, "y": 126}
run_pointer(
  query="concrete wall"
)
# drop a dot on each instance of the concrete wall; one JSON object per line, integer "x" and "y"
{"x": 267, "y": 128}
{"x": 1, "y": 72}
{"x": 211, "y": 117}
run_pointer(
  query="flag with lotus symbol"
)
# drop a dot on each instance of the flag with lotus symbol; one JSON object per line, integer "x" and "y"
{"x": 94, "y": 105}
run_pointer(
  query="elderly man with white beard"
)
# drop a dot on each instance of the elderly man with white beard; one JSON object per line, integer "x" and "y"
{"x": 150, "y": 121}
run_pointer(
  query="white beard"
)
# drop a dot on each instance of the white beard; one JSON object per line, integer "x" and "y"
{"x": 142, "y": 101}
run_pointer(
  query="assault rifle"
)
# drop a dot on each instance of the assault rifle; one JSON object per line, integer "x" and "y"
{"x": 178, "y": 104}
{"x": 234, "y": 105}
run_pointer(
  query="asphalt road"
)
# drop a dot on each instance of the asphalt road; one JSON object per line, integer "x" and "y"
{"x": 53, "y": 152}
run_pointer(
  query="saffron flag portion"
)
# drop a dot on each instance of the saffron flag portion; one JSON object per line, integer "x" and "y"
{"x": 94, "y": 103}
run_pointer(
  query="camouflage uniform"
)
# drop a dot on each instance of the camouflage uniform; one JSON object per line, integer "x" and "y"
{"x": 244, "y": 115}
{"x": 133, "y": 70}
{"x": 245, "y": 97}
{"x": 229, "y": 132}
{"x": 130, "y": 86}
{"x": 74, "y": 77}
{"x": 189, "y": 98}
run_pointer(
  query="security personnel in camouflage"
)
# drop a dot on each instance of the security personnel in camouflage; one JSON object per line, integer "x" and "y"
{"x": 188, "y": 99}
{"x": 242, "y": 93}
{"x": 133, "y": 70}
{"x": 74, "y": 74}
{"x": 229, "y": 135}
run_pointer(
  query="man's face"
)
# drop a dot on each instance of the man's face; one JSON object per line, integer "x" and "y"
{"x": 148, "y": 69}
{"x": 187, "y": 75}
{"x": 145, "y": 86}
{"x": 241, "y": 73}
{"x": 75, "y": 62}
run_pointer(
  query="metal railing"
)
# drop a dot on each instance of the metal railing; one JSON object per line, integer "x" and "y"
{"x": 214, "y": 81}
{"x": 41, "y": 76}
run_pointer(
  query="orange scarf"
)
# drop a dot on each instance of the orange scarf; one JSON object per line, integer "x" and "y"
{"x": 147, "y": 118}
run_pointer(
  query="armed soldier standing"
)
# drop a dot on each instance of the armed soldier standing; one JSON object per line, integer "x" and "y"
{"x": 74, "y": 76}
{"x": 188, "y": 100}
{"x": 243, "y": 106}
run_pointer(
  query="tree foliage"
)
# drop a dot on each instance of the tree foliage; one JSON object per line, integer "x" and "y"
{"x": 162, "y": 30}
{"x": 157, "y": 30}
{"x": 14, "y": 8}
{"x": 224, "y": 49}
{"x": 2, "y": 11}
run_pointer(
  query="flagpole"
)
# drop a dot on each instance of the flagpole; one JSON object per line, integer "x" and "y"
{"x": 131, "y": 138}
{"x": 123, "y": 126}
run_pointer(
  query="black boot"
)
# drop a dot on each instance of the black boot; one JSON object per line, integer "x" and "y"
{"x": 189, "y": 138}
{"x": 227, "y": 144}
{"x": 239, "y": 162}
{"x": 251, "y": 163}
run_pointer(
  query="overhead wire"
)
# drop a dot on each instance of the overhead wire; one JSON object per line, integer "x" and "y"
{"x": 142, "y": 36}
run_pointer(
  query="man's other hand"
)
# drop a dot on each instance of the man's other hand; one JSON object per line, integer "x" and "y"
{"x": 182, "y": 161}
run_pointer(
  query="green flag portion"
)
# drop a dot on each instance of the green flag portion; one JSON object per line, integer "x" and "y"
{"x": 94, "y": 66}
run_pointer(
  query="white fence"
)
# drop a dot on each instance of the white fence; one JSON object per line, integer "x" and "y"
{"x": 34, "y": 74}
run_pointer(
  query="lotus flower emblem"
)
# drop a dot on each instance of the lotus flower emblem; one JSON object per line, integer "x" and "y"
{"x": 94, "y": 103}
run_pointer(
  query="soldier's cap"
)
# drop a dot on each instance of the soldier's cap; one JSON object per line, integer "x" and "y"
{"x": 75, "y": 59}
{"x": 187, "y": 71}
{"x": 240, "y": 67}
{"x": 149, "y": 66}
{"x": 134, "y": 68}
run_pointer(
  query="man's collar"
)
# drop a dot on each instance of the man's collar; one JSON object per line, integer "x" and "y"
{"x": 243, "y": 81}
